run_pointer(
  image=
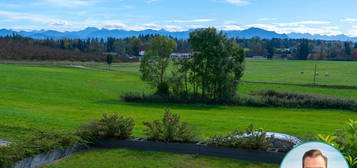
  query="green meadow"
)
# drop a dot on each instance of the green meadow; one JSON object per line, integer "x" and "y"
{"x": 47, "y": 97}
{"x": 146, "y": 159}
{"x": 297, "y": 72}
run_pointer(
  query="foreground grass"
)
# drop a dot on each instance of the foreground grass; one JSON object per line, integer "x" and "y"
{"x": 146, "y": 159}
{"x": 47, "y": 97}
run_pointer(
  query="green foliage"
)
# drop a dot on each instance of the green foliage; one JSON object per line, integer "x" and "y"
{"x": 154, "y": 64}
{"x": 345, "y": 141}
{"x": 109, "y": 126}
{"x": 40, "y": 142}
{"x": 303, "y": 50}
{"x": 352, "y": 161}
{"x": 170, "y": 129}
{"x": 217, "y": 64}
{"x": 270, "y": 97}
{"x": 251, "y": 138}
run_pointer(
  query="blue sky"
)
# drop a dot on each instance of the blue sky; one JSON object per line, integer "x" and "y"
{"x": 328, "y": 17}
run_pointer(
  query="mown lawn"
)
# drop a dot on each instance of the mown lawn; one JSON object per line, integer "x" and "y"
{"x": 47, "y": 97}
{"x": 55, "y": 97}
{"x": 146, "y": 159}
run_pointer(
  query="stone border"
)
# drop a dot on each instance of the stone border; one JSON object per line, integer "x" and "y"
{"x": 46, "y": 158}
{"x": 198, "y": 149}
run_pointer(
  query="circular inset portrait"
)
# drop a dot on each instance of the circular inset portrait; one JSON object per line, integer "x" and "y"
{"x": 314, "y": 155}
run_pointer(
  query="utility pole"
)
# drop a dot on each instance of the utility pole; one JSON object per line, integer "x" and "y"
{"x": 315, "y": 73}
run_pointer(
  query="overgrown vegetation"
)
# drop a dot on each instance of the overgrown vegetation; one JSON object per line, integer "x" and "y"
{"x": 177, "y": 99}
{"x": 109, "y": 126}
{"x": 345, "y": 141}
{"x": 276, "y": 98}
{"x": 262, "y": 98}
{"x": 170, "y": 129}
{"x": 251, "y": 138}
{"x": 40, "y": 142}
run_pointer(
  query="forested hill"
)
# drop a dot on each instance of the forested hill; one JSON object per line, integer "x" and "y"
{"x": 92, "y": 32}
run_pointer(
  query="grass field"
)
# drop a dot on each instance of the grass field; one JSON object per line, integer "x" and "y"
{"x": 144, "y": 159}
{"x": 56, "y": 97}
{"x": 339, "y": 73}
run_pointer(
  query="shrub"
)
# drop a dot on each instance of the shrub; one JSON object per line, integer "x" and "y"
{"x": 109, "y": 126}
{"x": 178, "y": 99}
{"x": 132, "y": 97}
{"x": 264, "y": 98}
{"x": 346, "y": 141}
{"x": 272, "y": 97}
{"x": 40, "y": 142}
{"x": 170, "y": 129}
{"x": 163, "y": 89}
{"x": 251, "y": 138}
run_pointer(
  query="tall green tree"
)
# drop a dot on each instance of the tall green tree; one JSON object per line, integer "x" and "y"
{"x": 303, "y": 50}
{"x": 155, "y": 62}
{"x": 217, "y": 63}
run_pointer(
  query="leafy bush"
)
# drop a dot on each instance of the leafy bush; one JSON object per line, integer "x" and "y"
{"x": 40, "y": 142}
{"x": 178, "y": 99}
{"x": 272, "y": 97}
{"x": 264, "y": 98}
{"x": 251, "y": 138}
{"x": 170, "y": 129}
{"x": 109, "y": 126}
{"x": 346, "y": 141}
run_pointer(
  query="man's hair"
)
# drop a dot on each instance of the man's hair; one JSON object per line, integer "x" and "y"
{"x": 313, "y": 154}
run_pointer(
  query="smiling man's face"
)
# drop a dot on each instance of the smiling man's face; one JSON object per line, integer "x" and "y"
{"x": 314, "y": 162}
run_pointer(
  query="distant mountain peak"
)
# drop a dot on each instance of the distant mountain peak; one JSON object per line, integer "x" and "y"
{"x": 91, "y": 29}
{"x": 94, "y": 32}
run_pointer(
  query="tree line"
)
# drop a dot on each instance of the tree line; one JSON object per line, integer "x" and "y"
{"x": 92, "y": 49}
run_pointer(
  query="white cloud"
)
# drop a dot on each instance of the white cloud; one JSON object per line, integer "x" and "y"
{"x": 32, "y": 17}
{"x": 71, "y": 3}
{"x": 191, "y": 21}
{"x": 349, "y": 20}
{"x": 352, "y": 32}
{"x": 48, "y": 22}
{"x": 265, "y": 26}
{"x": 303, "y": 23}
{"x": 230, "y": 27}
{"x": 267, "y": 19}
{"x": 238, "y": 2}
{"x": 324, "y": 30}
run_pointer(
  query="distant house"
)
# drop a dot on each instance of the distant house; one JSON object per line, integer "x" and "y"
{"x": 181, "y": 55}
{"x": 141, "y": 53}
{"x": 259, "y": 57}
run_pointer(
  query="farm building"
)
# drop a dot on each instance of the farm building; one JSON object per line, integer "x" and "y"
{"x": 181, "y": 55}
